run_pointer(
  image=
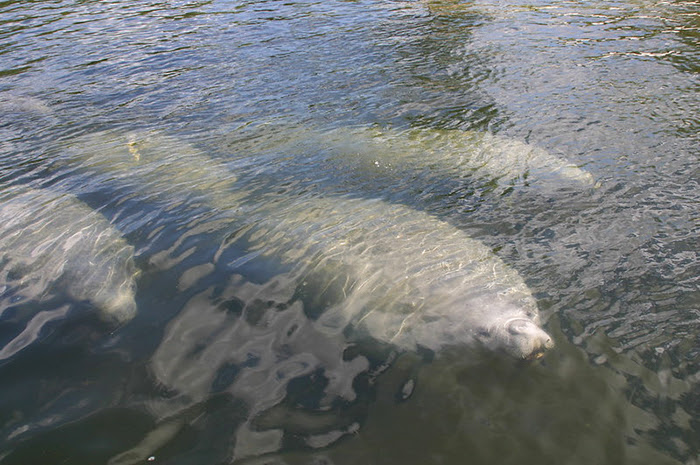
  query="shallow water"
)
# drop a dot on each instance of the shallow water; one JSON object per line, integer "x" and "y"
{"x": 192, "y": 126}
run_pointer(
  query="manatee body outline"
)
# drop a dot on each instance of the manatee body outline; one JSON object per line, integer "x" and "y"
{"x": 383, "y": 294}
{"x": 401, "y": 154}
{"x": 509, "y": 161}
{"x": 153, "y": 164}
{"x": 402, "y": 276}
{"x": 52, "y": 242}
{"x": 11, "y": 102}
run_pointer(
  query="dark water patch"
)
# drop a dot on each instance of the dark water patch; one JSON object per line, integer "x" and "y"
{"x": 84, "y": 441}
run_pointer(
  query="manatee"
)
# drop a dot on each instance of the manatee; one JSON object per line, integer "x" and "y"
{"x": 53, "y": 243}
{"x": 507, "y": 160}
{"x": 154, "y": 164}
{"x": 400, "y": 276}
{"x": 349, "y": 268}
{"x": 23, "y": 120}
{"x": 11, "y": 103}
{"x": 401, "y": 155}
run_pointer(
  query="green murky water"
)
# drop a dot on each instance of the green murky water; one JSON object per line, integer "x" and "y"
{"x": 281, "y": 187}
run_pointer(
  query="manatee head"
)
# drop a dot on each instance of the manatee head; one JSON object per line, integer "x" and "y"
{"x": 116, "y": 301}
{"x": 519, "y": 337}
{"x": 575, "y": 173}
{"x": 120, "y": 308}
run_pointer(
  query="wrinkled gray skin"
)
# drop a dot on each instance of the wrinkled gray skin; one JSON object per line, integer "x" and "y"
{"x": 402, "y": 276}
{"x": 54, "y": 243}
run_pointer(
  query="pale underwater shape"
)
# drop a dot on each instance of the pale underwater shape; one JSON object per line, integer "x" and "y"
{"x": 23, "y": 104}
{"x": 53, "y": 243}
{"x": 154, "y": 164}
{"x": 397, "y": 154}
{"x": 509, "y": 160}
{"x": 454, "y": 153}
{"x": 400, "y": 275}
{"x": 523, "y": 338}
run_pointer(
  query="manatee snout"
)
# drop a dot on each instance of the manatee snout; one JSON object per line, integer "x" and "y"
{"x": 526, "y": 340}
{"x": 120, "y": 309}
{"x": 519, "y": 337}
{"x": 117, "y": 304}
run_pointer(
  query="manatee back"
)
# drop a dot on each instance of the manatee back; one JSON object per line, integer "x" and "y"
{"x": 456, "y": 153}
{"x": 398, "y": 155}
{"x": 404, "y": 270}
{"x": 53, "y": 242}
{"x": 153, "y": 164}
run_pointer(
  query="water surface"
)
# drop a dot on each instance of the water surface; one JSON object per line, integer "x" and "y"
{"x": 180, "y": 123}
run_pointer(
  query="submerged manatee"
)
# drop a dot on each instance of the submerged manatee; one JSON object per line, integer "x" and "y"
{"x": 510, "y": 161}
{"x": 19, "y": 104}
{"x": 154, "y": 164}
{"x": 54, "y": 243}
{"x": 400, "y": 276}
{"x": 400, "y": 155}
{"x": 351, "y": 268}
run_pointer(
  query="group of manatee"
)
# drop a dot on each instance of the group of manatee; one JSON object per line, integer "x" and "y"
{"x": 412, "y": 279}
{"x": 367, "y": 268}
